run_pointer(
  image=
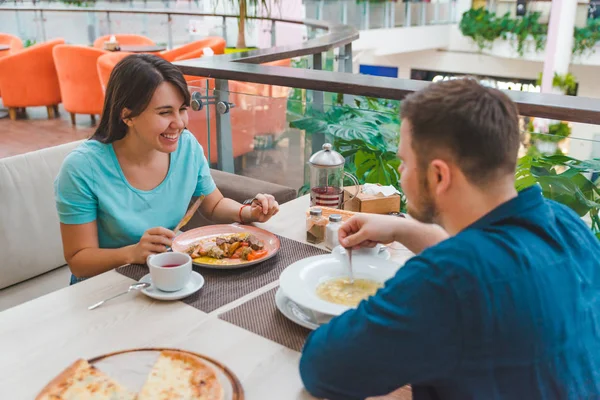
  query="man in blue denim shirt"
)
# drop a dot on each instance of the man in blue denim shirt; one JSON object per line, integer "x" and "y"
{"x": 502, "y": 303}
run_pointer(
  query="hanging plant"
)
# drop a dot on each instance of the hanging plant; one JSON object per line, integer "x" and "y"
{"x": 566, "y": 83}
{"x": 525, "y": 27}
{"x": 585, "y": 38}
{"x": 482, "y": 26}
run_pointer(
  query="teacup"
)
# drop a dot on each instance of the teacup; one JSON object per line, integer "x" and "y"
{"x": 170, "y": 271}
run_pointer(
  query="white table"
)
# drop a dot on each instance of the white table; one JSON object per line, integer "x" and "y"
{"x": 40, "y": 338}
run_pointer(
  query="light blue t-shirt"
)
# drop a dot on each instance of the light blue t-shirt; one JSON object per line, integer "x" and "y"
{"x": 91, "y": 186}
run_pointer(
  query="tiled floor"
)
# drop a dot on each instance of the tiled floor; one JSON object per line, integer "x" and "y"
{"x": 283, "y": 164}
{"x": 34, "y": 131}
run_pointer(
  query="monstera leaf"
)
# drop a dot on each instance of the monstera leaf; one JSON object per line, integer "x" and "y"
{"x": 562, "y": 179}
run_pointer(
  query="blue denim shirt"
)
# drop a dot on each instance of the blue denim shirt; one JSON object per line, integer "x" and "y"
{"x": 507, "y": 309}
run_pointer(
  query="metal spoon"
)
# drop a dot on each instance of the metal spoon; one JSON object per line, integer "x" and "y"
{"x": 135, "y": 286}
{"x": 349, "y": 251}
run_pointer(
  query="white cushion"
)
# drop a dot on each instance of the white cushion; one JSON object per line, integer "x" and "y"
{"x": 30, "y": 242}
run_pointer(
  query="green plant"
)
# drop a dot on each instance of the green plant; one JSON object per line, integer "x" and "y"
{"x": 29, "y": 42}
{"x": 367, "y": 137}
{"x": 566, "y": 83}
{"x": 524, "y": 27}
{"x": 482, "y": 26}
{"x": 79, "y": 3}
{"x": 562, "y": 179}
{"x": 585, "y": 38}
{"x": 556, "y": 132}
{"x": 485, "y": 27}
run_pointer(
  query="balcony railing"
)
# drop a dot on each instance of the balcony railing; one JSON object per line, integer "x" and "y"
{"x": 266, "y": 120}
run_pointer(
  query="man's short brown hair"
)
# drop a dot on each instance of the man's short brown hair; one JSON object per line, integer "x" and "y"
{"x": 476, "y": 126}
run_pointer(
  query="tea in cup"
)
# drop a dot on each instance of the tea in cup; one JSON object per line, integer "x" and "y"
{"x": 171, "y": 271}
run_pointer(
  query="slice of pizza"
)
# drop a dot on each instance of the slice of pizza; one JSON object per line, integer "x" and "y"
{"x": 178, "y": 375}
{"x": 82, "y": 381}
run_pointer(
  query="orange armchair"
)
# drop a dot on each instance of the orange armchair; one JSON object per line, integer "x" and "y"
{"x": 13, "y": 42}
{"x": 28, "y": 79}
{"x": 106, "y": 63}
{"x": 127, "y": 39}
{"x": 195, "y": 49}
{"x": 80, "y": 86}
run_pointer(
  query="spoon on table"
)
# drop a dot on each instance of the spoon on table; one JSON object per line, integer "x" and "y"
{"x": 135, "y": 286}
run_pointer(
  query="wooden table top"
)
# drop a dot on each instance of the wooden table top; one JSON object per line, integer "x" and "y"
{"x": 40, "y": 338}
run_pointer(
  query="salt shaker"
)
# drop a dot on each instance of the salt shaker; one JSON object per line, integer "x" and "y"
{"x": 331, "y": 235}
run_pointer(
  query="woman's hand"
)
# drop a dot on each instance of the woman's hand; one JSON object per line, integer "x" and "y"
{"x": 154, "y": 241}
{"x": 262, "y": 208}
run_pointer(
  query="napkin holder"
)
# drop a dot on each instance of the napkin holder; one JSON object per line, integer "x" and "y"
{"x": 111, "y": 44}
{"x": 369, "y": 203}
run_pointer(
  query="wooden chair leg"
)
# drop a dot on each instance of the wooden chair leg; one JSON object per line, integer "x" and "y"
{"x": 50, "y": 110}
{"x": 93, "y": 117}
{"x": 12, "y": 113}
{"x": 56, "y": 109}
{"x": 73, "y": 118}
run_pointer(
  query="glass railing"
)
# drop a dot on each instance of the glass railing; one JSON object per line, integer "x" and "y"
{"x": 269, "y": 133}
{"x": 168, "y": 23}
{"x": 380, "y": 14}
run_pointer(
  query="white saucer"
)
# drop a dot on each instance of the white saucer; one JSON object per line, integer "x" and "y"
{"x": 194, "y": 284}
{"x": 294, "y": 312}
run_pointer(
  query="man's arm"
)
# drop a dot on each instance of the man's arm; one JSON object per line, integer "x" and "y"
{"x": 409, "y": 332}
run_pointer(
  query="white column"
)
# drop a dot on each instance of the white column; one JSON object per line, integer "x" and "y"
{"x": 560, "y": 41}
{"x": 460, "y": 7}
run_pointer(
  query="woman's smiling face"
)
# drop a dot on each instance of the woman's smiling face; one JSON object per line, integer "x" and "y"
{"x": 160, "y": 125}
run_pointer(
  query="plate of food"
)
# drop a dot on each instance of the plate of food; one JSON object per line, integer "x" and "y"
{"x": 143, "y": 374}
{"x": 227, "y": 246}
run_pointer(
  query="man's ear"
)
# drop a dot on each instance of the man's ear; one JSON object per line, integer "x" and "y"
{"x": 440, "y": 176}
{"x": 125, "y": 116}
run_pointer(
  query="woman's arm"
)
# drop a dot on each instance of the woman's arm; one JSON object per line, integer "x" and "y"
{"x": 220, "y": 209}
{"x": 86, "y": 259}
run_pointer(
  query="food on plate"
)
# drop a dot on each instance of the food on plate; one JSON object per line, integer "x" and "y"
{"x": 341, "y": 291}
{"x": 82, "y": 381}
{"x": 179, "y": 375}
{"x": 237, "y": 246}
{"x": 175, "y": 375}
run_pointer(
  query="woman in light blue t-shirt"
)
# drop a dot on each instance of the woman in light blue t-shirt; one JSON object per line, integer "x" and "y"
{"x": 120, "y": 193}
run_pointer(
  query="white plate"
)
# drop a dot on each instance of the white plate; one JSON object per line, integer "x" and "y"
{"x": 300, "y": 280}
{"x": 294, "y": 312}
{"x": 375, "y": 251}
{"x": 194, "y": 284}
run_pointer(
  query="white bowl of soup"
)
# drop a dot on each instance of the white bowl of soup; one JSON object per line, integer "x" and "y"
{"x": 321, "y": 283}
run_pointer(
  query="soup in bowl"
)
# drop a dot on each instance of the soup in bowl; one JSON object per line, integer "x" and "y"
{"x": 321, "y": 283}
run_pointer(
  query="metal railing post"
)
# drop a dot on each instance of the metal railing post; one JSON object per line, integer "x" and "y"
{"x": 423, "y": 13}
{"x": 169, "y": 32}
{"x": 392, "y": 14}
{"x": 224, "y": 139}
{"x": 273, "y": 34}
{"x": 108, "y": 24}
{"x": 317, "y": 139}
{"x": 225, "y": 28}
{"x": 43, "y": 26}
{"x": 408, "y": 13}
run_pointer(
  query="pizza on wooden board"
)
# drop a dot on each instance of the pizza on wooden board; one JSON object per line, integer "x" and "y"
{"x": 82, "y": 381}
{"x": 175, "y": 375}
{"x": 178, "y": 375}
